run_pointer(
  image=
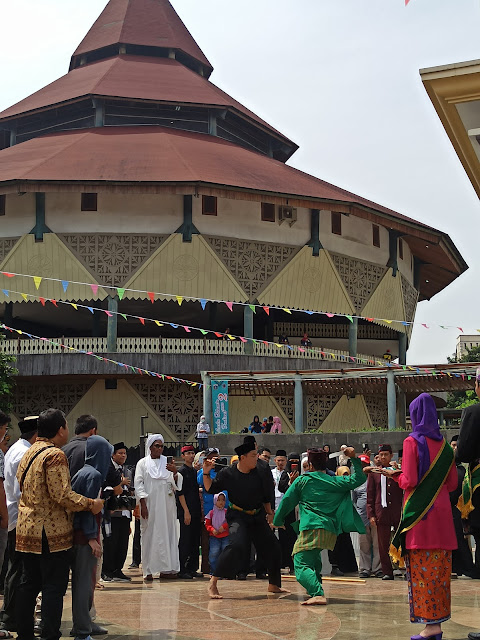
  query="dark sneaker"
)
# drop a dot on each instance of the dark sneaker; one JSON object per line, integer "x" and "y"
{"x": 363, "y": 574}
{"x": 121, "y": 577}
{"x": 185, "y": 576}
{"x": 336, "y": 572}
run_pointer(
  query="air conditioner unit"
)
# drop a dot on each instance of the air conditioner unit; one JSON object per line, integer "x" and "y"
{"x": 287, "y": 213}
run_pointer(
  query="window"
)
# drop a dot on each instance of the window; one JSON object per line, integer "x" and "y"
{"x": 3, "y": 202}
{"x": 336, "y": 223}
{"x": 268, "y": 212}
{"x": 376, "y": 235}
{"x": 209, "y": 205}
{"x": 400, "y": 248}
{"x": 89, "y": 202}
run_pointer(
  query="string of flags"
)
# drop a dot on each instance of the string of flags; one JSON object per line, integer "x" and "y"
{"x": 152, "y": 295}
{"x": 127, "y": 367}
{"x": 464, "y": 373}
{"x": 204, "y": 332}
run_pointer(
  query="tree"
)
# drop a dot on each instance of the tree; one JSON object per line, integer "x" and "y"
{"x": 462, "y": 399}
{"x": 7, "y": 382}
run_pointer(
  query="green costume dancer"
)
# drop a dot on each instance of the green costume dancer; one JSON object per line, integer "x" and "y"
{"x": 326, "y": 510}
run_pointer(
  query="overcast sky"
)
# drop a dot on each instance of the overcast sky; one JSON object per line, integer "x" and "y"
{"x": 340, "y": 78}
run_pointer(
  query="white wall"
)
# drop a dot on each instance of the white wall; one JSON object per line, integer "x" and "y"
{"x": 242, "y": 219}
{"x": 356, "y": 239}
{"x": 120, "y": 213}
{"x": 19, "y": 217}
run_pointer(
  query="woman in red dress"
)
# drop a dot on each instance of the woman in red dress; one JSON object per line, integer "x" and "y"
{"x": 426, "y": 535}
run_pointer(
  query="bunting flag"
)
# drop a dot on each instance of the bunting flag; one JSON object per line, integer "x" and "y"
{"x": 32, "y": 336}
{"x": 120, "y": 291}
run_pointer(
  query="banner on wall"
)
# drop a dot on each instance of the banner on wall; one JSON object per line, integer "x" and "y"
{"x": 221, "y": 422}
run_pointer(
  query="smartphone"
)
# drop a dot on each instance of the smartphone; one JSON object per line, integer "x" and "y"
{"x": 365, "y": 447}
{"x": 169, "y": 459}
{"x": 294, "y": 467}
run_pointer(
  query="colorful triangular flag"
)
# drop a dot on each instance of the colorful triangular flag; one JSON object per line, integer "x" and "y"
{"x": 203, "y": 302}
{"x": 179, "y": 300}
{"x": 229, "y": 305}
{"x": 151, "y": 295}
{"x": 65, "y": 284}
{"x": 120, "y": 292}
{"x": 37, "y": 280}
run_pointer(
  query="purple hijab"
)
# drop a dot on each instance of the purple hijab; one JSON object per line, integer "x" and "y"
{"x": 423, "y": 414}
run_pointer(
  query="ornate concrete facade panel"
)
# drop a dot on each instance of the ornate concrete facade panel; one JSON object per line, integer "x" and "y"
{"x": 112, "y": 258}
{"x": 377, "y": 408}
{"x": 47, "y": 259}
{"x": 186, "y": 269}
{"x": 6, "y": 245}
{"x": 386, "y": 303}
{"x": 308, "y": 282}
{"x": 359, "y": 277}
{"x": 178, "y": 406}
{"x": 410, "y": 299}
{"x": 32, "y": 397}
{"x": 318, "y": 410}
{"x": 253, "y": 264}
{"x": 287, "y": 405}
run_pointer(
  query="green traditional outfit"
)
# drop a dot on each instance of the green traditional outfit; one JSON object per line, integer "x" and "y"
{"x": 326, "y": 510}
{"x": 471, "y": 482}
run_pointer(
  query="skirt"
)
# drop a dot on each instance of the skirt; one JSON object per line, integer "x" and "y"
{"x": 428, "y": 575}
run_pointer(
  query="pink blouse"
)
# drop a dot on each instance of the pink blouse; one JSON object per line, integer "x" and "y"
{"x": 436, "y": 531}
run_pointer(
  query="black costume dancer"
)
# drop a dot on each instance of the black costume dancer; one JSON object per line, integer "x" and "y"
{"x": 249, "y": 492}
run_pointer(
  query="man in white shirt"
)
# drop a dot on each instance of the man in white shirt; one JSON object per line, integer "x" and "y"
{"x": 28, "y": 431}
{"x": 203, "y": 429}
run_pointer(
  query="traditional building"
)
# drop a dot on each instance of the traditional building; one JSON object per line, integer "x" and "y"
{"x": 135, "y": 187}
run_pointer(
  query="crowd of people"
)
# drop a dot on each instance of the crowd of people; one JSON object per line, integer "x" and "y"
{"x": 68, "y": 507}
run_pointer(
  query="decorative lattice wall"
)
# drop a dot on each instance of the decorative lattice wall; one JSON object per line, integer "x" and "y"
{"x": 31, "y": 398}
{"x": 178, "y": 406}
{"x": 359, "y": 277}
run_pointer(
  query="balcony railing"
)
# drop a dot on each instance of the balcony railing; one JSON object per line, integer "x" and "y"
{"x": 190, "y": 346}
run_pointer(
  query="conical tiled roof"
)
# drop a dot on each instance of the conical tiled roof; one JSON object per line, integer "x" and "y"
{"x": 146, "y": 23}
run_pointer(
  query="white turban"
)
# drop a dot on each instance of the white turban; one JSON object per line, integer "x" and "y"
{"x": 156, "y": 467}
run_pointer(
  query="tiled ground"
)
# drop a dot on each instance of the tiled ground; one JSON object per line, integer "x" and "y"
{"x": 181, "y": 610}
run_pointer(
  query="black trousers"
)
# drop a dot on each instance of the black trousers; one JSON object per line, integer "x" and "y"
{"x": 343, "y": 555}
{"x": 12, "y": 580}
{"x": 137, "y": 545}
{"x": 188, "y": 546}
{"x": 243, "y": 530}
{"x": 46, "y": 572}
{"x": 115, "y": 546}
{"x": 462, "y": 560}
{"x": 287, "y": 538}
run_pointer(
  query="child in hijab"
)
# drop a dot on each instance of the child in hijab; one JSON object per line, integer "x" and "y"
{"x": 217, "y": 527}
{"x": 276, "y": 426}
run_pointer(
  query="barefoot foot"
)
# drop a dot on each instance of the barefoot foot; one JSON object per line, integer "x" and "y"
{"x": 315, "y": 600}
{"x": 213, "y": 591}
{"x": 272, "y": 588}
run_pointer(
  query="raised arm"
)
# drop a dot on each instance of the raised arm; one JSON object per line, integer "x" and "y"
{"x": 288, "y": 503}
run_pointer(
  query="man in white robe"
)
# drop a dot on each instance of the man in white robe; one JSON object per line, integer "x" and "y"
{"x": 155, "y": 485}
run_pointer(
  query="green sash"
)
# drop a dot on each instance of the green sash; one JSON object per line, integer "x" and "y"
{"x": 471, "y": 482}
{"x": 422, "y": 498}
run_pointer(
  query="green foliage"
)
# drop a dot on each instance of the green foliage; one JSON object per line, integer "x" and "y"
{"x": 7, "y": 382}
{"x": 462, "y": 399}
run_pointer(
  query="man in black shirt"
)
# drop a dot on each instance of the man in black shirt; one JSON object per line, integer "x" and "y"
{"x": 249, "y": 517}
{"x": 85, "y": 427}
{"x": 189, "y": 515}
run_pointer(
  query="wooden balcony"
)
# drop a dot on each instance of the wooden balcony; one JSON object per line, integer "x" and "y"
{"x": 176, "y": 346}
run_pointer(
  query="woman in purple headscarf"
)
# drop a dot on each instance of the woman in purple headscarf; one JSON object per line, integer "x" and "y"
{"x": 426, "y": 535}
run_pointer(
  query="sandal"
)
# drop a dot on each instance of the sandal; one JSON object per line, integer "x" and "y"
{"x": 99, "y": 585}
{"x": 5, "y": 634}
{"x": 148, "y": 578}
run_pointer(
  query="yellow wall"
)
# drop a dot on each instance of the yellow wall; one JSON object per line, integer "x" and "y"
{"x": 349, "y": 414}
{"x": 187, "y": 269}
{"x": 387, "y": 302}
{"x": 51, "y": 259}
{"x": 118, "y": 412}
{"x": 309, "y": 282}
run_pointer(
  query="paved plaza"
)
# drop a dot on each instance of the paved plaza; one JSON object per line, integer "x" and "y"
{"x": 181, "y": 610}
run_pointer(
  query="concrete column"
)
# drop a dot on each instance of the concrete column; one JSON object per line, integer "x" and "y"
{"x": 298, "y": 405}
{"x": 248, "y": 329}
{"x": 391, "y": 400}
{"x": 207, "y": 399}
{"x": 353, "y": 338}
{"x": 402, "y": 410}
{"x": 112, "y": 325}
{"x": 402, "y": 348}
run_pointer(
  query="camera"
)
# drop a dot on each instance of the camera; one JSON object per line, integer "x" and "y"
{"x": 123, "y": 502}
{"x": 220, "y": 464}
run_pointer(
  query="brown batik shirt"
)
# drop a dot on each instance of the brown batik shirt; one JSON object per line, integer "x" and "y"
{"x": 47, "y": 501}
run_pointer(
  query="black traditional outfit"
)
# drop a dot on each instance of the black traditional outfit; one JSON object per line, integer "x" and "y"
{"x": 189, "y": 534}
{"x": 246, "y": 518}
